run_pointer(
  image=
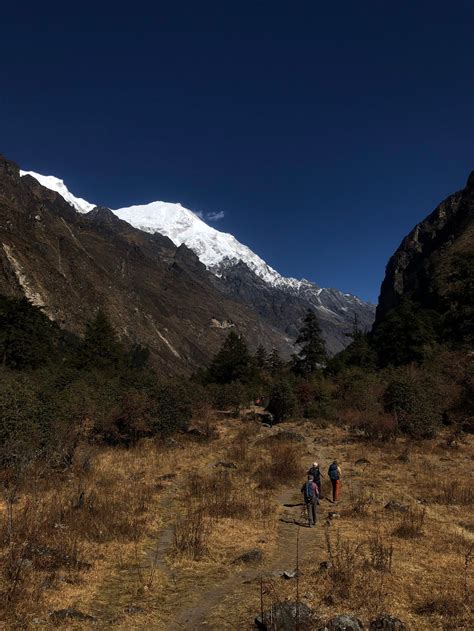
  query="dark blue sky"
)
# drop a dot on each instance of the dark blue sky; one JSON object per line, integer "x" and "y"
{"x": 323, "y": 130}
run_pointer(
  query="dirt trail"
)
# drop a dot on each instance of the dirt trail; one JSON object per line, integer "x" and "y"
{"x": 193, "y": 603}
{"x": 244, "y": 582}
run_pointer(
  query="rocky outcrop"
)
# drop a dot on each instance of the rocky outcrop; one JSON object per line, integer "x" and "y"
{"x": 284, "y": 306}
{"x": 422, "y": 267}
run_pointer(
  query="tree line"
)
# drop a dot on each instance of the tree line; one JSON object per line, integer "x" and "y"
{"x": 57, "y": 388}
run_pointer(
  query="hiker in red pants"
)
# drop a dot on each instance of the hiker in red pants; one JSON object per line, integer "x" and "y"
{"x": 334, "y": 473}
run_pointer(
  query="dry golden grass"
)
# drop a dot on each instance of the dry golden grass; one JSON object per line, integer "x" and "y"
{"x": 155, "y": 543}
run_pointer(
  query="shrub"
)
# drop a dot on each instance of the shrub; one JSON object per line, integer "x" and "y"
{"x": 415, "y": 403}
{"x": 284, "y": 466}
{"x": 229, "y": 396}
{"x": 360, "y": 390}
{"x": 21, "y": 416}
{"x": 172, "y": 406}
{"x": 411, "y": 524}
{"x": 456, "y": 492}
{"x": 345, "y": 559}
{"x": 316, "y": 398}
{"x": 380, "y": 554}
{"x": 190, "y": 534}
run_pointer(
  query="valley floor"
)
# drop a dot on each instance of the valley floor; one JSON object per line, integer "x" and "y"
{"x": 205, "y": 502}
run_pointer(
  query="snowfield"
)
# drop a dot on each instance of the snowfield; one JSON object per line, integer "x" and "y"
{"x": 215, "y": 249}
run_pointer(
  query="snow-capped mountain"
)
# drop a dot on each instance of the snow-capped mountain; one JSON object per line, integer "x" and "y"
{"x": 213, "y": 247}
{"x": 55, "y": 184}
{"x": 224, "y": 255}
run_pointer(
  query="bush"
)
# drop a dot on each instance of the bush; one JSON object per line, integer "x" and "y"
{"x": 172, "y": 406}
{"x": 361, "y": 391}
{"x": 190, "y": 534}
{"x": 315, "y": 397}
{"x": 284, "y": 466}
{"x": 411, "y": 524}
{"x": 414, "y": 401}
{"x": 229, "y": 396}
{"x": 21, "y": 416}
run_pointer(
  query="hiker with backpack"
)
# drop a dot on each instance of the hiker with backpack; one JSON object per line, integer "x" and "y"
{"x": 316, "y": 473}
{"x": 334, "y": 473}
{"x": 311, "y": 493}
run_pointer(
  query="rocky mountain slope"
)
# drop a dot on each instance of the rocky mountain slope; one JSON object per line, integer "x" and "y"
{"x": 238, "y": 272}
{"x": 434, "y": 264}
{"x": 154, "y": 291}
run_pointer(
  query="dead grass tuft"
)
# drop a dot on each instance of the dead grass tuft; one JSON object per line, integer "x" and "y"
{"x": 191, "y": 532}
{"x": 448, "y": 605}
{"x": 458, "y": 492}
{"x": 380, "y": 555}
{"x": 411, "y": 524}
{"x": 283, "y": 467}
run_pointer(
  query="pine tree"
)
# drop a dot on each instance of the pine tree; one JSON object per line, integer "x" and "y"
{"x": 358, "y": 353}
{"x": 282, "y": 401}
{"x": 312, "y": 352}
{"x": 100, "y": 348}
{"x": 232, "y": 362}
{"x": 275, "y": 363}
{"x": 261, "y": 358}
{"x": 27, "y": 336}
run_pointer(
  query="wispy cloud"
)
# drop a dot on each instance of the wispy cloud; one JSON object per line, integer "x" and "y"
{"x": 215, "y": 216}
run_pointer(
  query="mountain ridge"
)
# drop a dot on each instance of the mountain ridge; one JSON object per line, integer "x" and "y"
{"x": 223, "y": 255}
{"x": 70, "y": 264}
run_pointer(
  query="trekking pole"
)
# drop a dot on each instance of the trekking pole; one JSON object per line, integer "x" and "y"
{"x": 297, "y": 620}
{"x": 261, "y": 599}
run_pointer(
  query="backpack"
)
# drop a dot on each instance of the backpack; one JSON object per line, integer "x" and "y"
{"x": 316, "y": 473}
{"x": 333, "y": 472}
{"x": 308, "y": 492}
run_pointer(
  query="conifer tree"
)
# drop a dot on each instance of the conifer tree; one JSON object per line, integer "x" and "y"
{"x": 232, "y": 362}
{"x": 312, "y": 352}
{"x": 275, "y": 363}
{"x": 261, "y": 358}
{"x": 101, "y": 347}
{"x": 358, "y": 353}
{"x": 282, "y": 401}
{"x": 27, "y": 336}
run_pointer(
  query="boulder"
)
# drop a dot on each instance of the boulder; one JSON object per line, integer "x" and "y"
{"x": 283, "y": 617}
{"x": 343, "y": 623}
{"x": 71, "y": 614}
{"x": 290, "y": 574}
{"x": 387, "y": 623}
{"x": 362, "y": 461}
{"x": 226, "y": 465}
{"x": 396, "y": 507}
{"x": 251, "y": 556}
{"x": 133, "y": 610}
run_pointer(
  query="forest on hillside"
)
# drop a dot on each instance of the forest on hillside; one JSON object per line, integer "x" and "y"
{"x": 411, "y": 375}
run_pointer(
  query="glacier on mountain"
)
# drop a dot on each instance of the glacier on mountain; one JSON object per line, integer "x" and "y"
{"x": 215, "y": 249}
